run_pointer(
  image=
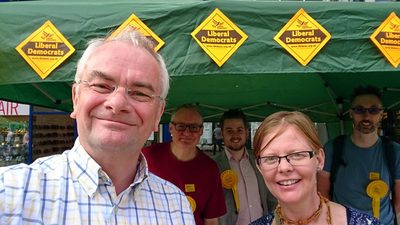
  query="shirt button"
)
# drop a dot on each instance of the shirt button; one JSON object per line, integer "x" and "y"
{"x": 251, "y": 206}
{"x": 115, "y": 209}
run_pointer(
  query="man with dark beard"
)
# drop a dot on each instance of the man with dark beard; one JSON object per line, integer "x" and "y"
{"x": 254, "y": 198}
{"x": 363, "y": 160}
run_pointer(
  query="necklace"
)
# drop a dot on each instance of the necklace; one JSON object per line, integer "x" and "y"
{"x": 322, "y": 200}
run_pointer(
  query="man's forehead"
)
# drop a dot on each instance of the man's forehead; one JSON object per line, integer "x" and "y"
{"x": 186, "y": 114}
{"x": 127, "y": 52}
{"x": 113, "y": 59}
{"x": 109, "y": 47}
{"x": 116, "y": 44}
{"x": 233, "y": 123}
{"x": 366, "y": 100}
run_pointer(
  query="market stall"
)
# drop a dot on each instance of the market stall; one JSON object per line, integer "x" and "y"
{"x": 260, "y": 75}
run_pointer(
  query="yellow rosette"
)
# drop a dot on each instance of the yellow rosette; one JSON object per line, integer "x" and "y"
{"x": 192, "y": 203}
{"x": 376, "y": 190}
{"x": 230, "y": 180}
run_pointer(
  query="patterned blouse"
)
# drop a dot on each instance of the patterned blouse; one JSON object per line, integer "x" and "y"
{"x": 354, "y": 217}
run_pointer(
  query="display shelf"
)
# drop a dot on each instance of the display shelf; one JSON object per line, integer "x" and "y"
{"x": 12, "y": 151}
{"x": 12, "y": 131}
{"x": 51, "y": 134}
{"x": 11, "y": 154}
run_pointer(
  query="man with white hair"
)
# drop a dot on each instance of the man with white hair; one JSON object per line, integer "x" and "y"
{"x": 118, "y": 98}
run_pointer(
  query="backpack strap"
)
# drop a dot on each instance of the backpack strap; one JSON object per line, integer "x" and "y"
{"x": 337, "y": 160}
{"x": 338, "y": 146}
{"x": 391, "y": 162}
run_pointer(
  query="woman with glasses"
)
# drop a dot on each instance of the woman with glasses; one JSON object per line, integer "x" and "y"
{"x": 289, "y": 153}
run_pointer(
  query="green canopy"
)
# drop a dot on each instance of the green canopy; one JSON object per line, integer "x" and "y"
{"x": 260, "y": 77}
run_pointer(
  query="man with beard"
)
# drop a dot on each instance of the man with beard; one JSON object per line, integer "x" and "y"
{"x": 363, "y": 159}
{"x": 255, "y": 200}
{"x": 184, "y": 165}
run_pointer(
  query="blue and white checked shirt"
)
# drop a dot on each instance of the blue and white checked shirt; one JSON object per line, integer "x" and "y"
{"x": 71, "y": 188}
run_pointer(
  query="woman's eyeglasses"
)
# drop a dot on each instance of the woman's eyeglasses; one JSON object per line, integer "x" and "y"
{"x": 296, "y": 159}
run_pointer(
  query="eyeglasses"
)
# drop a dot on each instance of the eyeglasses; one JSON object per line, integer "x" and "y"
{"x": 296, "y": 159}
{"x": 140, "y": 95}
{"x": 361, "y": 110}
{"x": 182, "y": 127}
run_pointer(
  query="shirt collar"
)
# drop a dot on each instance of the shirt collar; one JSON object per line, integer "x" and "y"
{"x": 89, "y": 172}
{"x": 231, "y": 158}
{"x": 142, "y": 170}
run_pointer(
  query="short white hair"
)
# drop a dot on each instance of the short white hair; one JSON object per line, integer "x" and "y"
{"x": 135, "y": 38}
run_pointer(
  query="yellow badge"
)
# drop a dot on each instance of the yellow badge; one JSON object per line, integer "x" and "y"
{"x": 387, "y": 39}
{"x": 229, "y": 180}
{"x": 302, "y": 37}
{"x": 376, "y": 190}
{"x": 374, "y": 176}
{"x": 192, "y": 203}
{"x": 45, "y": 49}
{"x": 219, "y": 37}
{"x": 133, "y": 22}
{"x": 189, "y": 188}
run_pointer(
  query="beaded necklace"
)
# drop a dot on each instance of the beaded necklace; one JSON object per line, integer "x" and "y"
{"x": 322, "y": 200}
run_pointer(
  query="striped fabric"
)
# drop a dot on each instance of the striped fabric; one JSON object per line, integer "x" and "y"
{"x": 71, "y": 188}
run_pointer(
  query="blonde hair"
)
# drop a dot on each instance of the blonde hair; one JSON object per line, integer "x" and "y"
{"x": 283, "y": 120}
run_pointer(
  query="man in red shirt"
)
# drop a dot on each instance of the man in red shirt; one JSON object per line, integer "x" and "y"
{"x": 183, "y": 164}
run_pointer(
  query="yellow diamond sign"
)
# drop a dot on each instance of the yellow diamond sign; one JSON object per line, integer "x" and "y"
{"x": 45, "y": 49}
{"x": 133, "y": 22}
{"x": 387, "y": 39}
{"x": 302, "y": 37}
{"x": 219, "y": 37}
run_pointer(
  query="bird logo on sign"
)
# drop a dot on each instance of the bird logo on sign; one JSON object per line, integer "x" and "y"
{"x": 47, "y": 36}
{"x": 303, "y": 24}
{"x": 218, "y": 24}
{"x": 395, "y": 27}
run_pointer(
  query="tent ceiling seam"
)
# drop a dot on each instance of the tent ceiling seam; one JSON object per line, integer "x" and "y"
{"x": 393, "y": 105}
{"x": 329, "y": 90}
{"x": 44, "y": 92}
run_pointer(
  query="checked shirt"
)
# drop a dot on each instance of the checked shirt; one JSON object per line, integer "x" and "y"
{"x": 71, "y": 188}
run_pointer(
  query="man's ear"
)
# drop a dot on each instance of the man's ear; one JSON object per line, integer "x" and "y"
{"x": 201, "y": 130}
{"x": 75, "y": 89}
{"x": 159, "y": 114}
{"x": 170, "y": 127}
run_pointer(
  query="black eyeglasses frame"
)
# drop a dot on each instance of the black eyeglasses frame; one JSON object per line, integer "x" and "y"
{"x": 311, "y": 153}
{"x": 190, "y": 126}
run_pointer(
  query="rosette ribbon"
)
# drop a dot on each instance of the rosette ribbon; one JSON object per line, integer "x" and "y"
{"x": 376, "y": 190}
{"x": 230, "y": 180}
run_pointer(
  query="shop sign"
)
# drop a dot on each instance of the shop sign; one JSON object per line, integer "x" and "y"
{"x": 45, "y": 49}
{"x": 219, "y": 37}
{"x": 133, "y": 22}
{"x": 387, "y": 39}
{"x": 13, "y": 109}
{"x": 302, "y": 37}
